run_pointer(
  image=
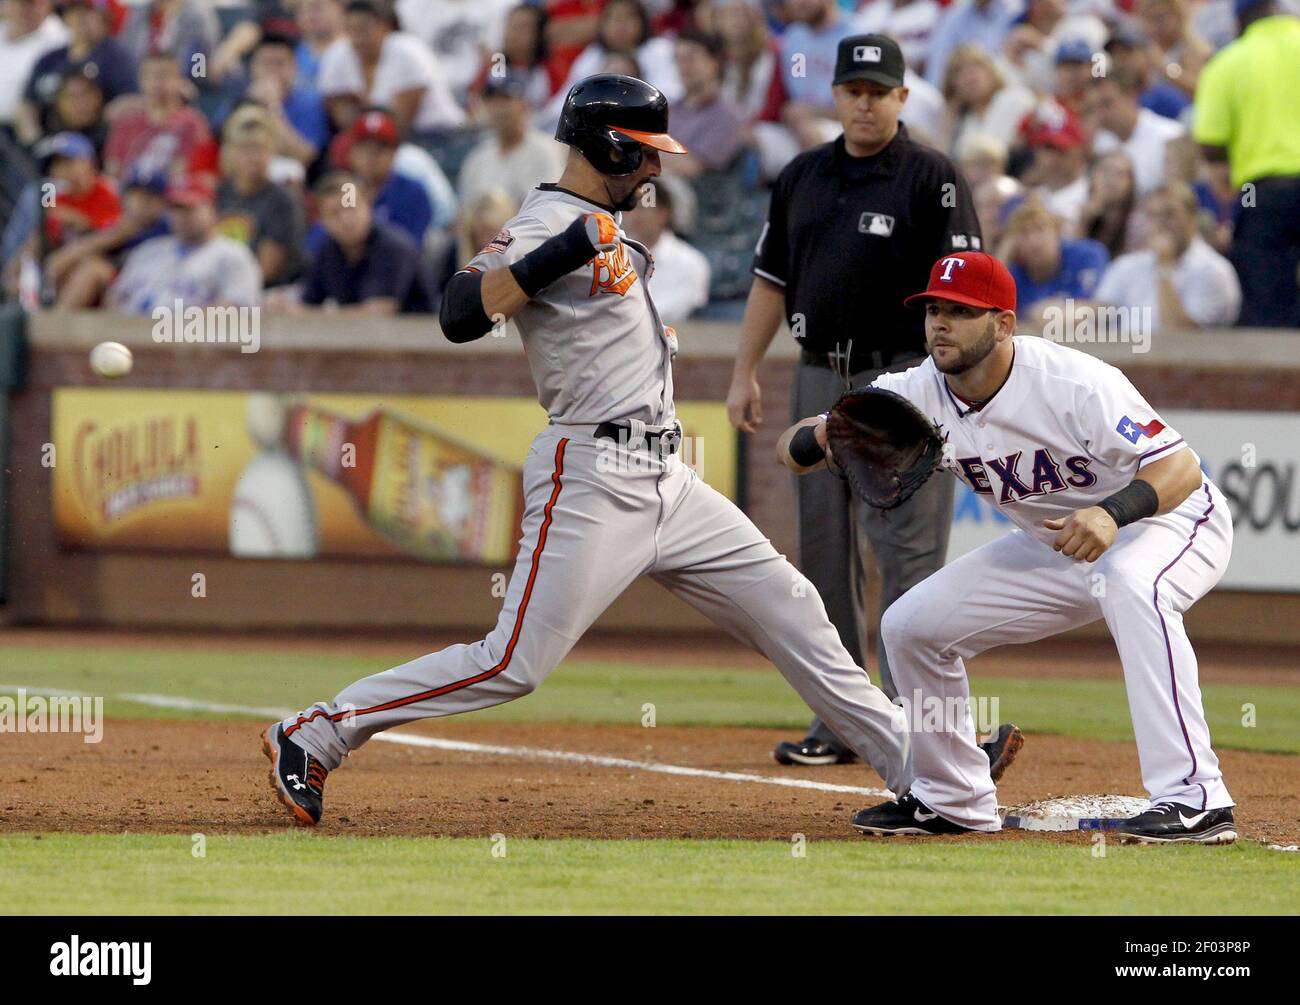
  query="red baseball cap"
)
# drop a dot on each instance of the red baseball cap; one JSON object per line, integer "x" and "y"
{"x": 1053, "y": 124}
{"x": 191, "y": 192}
{"x": 972, "y": 278}
{"x": 375, "y": 125}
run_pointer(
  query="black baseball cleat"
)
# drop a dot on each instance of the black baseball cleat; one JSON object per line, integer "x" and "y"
{"x": 1002, "y": 749}
{"x": 812, "y": 752}
{"x": 297, "y": 778}
{"x": 904, "y": 816}
{"x": 1168, "y": 823}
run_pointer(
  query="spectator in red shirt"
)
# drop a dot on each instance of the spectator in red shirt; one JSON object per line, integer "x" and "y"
{"x": 160, "y": 133}
{"x": 83, "y": 269}
{"x": 84, "y": 200}
{"x": 571, "y": 26}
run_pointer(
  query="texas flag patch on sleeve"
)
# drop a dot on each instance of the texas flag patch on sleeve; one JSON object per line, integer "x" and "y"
{"x": 1134, "y": 431}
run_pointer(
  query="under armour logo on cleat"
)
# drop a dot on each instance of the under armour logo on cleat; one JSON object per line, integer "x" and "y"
{"x": 296, "y": 783}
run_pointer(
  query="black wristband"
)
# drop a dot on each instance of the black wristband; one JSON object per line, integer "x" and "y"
{"x": 554, "y": 258}
{"x": 804, "y": 448}
{"x": 1135, "y": 501}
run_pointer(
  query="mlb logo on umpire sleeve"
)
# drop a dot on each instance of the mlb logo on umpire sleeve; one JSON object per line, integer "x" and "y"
{"x": 866, "y": 54}
{"x": 876, "y": 224}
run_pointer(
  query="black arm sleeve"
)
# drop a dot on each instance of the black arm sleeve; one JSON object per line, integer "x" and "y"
{"x": 462, "y": 316}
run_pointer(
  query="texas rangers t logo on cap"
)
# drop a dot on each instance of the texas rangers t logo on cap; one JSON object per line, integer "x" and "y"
{"x": 948, "y": 263}
{"x": 866, "y": 54}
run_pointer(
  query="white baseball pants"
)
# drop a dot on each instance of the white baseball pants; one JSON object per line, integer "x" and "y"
{"x": 1018, "y": 589}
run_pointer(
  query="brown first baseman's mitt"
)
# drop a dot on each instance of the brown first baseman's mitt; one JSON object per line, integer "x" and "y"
{"x": 882, "y": 444}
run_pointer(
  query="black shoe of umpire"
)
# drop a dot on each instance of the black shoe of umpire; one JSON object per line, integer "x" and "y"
{"x": 1167, "y": 823}
{"x": 811, "y": 751}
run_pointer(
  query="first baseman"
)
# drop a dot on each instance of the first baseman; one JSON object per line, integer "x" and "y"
{"x": 607, "y": 499}
{"x": 1115, "y": 520}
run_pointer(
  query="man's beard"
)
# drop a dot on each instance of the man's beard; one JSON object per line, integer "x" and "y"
{"x": 628, "y": 201}
{"x": 972, "y": 355}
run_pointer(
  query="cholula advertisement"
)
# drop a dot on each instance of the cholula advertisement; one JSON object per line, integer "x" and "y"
{"x": 295, "y": 476}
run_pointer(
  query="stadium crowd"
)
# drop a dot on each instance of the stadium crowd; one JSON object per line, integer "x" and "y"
{"x": 349, "y": 155}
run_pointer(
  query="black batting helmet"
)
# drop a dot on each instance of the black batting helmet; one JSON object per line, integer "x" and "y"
{"x": 610, "y": 116}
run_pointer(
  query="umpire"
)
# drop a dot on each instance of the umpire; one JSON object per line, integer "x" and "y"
{"x": 854, "y": 226}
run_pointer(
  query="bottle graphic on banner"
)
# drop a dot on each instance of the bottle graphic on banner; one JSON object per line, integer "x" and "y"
{"x": 428, "y": 494}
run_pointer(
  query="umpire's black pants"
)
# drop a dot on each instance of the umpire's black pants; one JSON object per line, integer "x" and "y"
{"x": 838, "y": 534}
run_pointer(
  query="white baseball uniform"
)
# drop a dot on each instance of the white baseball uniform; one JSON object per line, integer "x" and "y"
{"x": 1064, "y": 432}
{"x": 599, "y": 514}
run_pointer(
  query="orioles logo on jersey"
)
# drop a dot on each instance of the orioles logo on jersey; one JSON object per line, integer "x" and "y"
{"x": 612, "y": 272}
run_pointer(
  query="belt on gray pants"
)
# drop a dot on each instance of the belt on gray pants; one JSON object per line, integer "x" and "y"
{"x": 664, "y": 442}
{"x": 633, "y": 435}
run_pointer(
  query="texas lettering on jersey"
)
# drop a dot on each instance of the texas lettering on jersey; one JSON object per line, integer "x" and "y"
{"x": 1021, "y": 478}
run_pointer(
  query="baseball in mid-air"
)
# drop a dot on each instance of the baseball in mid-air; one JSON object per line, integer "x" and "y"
{"x": 111, "y": 360}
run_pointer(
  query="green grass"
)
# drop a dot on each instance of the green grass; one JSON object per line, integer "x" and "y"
{"x": 295, "y": 873}
{"x": 596, "y": 692}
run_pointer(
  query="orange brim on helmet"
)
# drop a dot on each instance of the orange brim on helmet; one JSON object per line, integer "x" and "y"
{"x": 660, "y": 141}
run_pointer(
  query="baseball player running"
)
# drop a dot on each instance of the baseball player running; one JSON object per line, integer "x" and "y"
{"x": 1115, "y": 520}
{"x": 607, "y": 499}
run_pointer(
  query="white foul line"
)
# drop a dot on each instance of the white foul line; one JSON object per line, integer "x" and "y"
{"x": 535, "y": 753}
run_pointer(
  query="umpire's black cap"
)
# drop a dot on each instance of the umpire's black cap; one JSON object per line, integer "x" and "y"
{"x": 869, "y": 57}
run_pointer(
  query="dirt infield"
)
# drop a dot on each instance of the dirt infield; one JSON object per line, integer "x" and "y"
{"x": 176, "y": 776}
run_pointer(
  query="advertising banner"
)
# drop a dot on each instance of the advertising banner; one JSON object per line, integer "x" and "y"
{"x": 263, "y": 475}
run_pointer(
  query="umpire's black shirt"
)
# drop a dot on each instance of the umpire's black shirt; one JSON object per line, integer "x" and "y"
{"x": 850, "y": 237}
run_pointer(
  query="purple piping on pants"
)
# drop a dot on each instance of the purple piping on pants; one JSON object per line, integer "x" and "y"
{"x": 1173, "y": 683}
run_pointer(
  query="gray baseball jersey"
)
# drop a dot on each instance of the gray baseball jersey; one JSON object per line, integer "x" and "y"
{"x": 595, "y": 343}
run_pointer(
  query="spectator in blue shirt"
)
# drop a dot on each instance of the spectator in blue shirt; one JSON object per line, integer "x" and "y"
{"x": 363, "y": 266}
{"x": 808, "y": 51}
{"x": 986, "y": 22}
{"x": 1047, "y": 269}
{"x": 299, "y": 110}
{"x": 91, "y": 49}
{"x": 321, "y": 23}
{"x": 371, "y": 147}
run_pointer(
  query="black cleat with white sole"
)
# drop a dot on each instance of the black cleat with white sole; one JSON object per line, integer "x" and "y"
{"x": 904, "y": 816}
{"x": 1167, "y": 823}
{"x": 812, "y": 753}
